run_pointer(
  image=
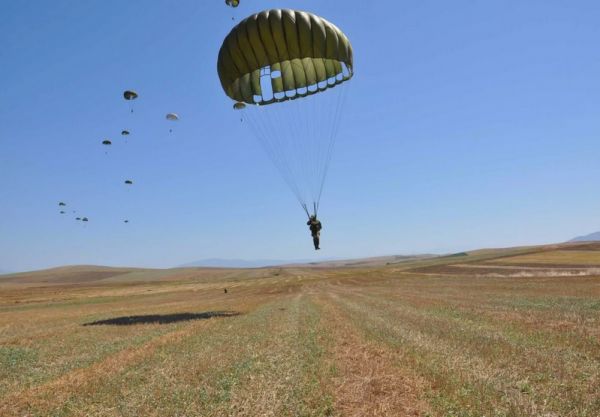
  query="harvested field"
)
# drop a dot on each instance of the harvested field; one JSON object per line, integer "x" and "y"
{"x": 382, "y": 341}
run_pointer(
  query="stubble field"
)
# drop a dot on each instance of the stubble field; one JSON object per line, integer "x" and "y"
{"x": 488, "y": 333}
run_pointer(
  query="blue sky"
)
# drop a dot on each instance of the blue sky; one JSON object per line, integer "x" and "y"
{"x": 468, "y": 124}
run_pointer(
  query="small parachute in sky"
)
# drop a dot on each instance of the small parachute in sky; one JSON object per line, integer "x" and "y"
{"x": 61, "y": 204}
{"x": 240, "y": 105}
{"x": 125, "y": 221}
{"x": 232, "y": 3}
{"x": 62, "y": 212}
{"x": 124, "y": 132}
{"x": 173, "y": 117}
{"x": 128, "y": 182}
{"x": 78, "y": 218}
{"x": 85, "y": 219}
{"x": 106, "y": 142}
{"x": 130, "y": 95}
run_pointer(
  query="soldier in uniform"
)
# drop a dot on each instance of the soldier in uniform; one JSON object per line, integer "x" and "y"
{"x": 315, "y": 230}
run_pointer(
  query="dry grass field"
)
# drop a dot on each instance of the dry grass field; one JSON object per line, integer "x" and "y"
{"x": 486, "y": 333}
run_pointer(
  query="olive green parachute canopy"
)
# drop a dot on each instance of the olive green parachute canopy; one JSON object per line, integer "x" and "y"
{"x": 172, "y": 116}
{"x": 106, "y": 142}
{"x": 239, "y": 106}
{"x": 85, "y": 219}
{"x": 130, "y": 95}
{"x": 125, "y": 132}
{"x": 232, "y": 3}
{"x": 61, "y": 204}
{"x": 128, "y": 182}
{"x": 298, "y": 52}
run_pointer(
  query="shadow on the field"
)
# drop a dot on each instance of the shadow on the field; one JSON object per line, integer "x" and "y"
{"x": 161, "y": 318}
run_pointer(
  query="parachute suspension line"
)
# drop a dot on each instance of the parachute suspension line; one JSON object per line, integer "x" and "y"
{"x": 266, "y": 135}
{"x": 299, "y": 136}
{"x": 306, "y": 210}
{"x": 286, "y": 143}
{"x": 341, "y": 99}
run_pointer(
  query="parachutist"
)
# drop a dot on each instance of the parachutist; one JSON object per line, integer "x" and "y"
{"x": 315, "y": 230}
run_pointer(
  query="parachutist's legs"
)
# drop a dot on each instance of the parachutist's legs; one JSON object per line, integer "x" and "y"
{"x": 316, "y": 242}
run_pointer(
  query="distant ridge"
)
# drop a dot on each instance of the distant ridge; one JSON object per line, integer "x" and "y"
{"x": 592, "y": 237}
{"x": 325, "y": 262}
{"x": 243, "y": 263}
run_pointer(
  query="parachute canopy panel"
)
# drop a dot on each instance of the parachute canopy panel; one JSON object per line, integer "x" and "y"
{"x": 232, "y": 3}
{"x": 279, "y": 55}
{"x": 172, "y": 116}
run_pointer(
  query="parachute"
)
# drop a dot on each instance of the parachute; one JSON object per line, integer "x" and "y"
{"x": 85, "y": 219}
{"x": 61, "y": 204}
{"x": 77, "y": 218}
{"x": 62, "y": 212}
{"x": 125, "y": 221}
{"x": 106, "y": 142}
{"x": 130, "y": 95}
{"x": 232, "y": 3}
{"x": 172, "y": 117}
{"x": 287, "y": 72}
{"x": 124, "y": 132}
{"x": 128, "y": 182}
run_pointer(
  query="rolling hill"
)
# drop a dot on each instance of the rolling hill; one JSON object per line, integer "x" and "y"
{"x": 592, "y": 237}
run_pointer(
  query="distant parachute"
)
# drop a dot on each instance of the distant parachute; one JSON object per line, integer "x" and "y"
{"x": 85, "y": 219}
{"x": 61, "y": 204}
{"x": 126, "y": 221}
{"x": 106, "y": 142}
{"x": 128, "y": 182}
{"x": 62, "y": 212}
{"x": 125, "y": 132}
{"x": 130, "y": 95}
{"x": 77, "y": 218}
{"x": 232, "y": 3}
{"x": 287, "y": 71}
{"x": 173, "y": 118}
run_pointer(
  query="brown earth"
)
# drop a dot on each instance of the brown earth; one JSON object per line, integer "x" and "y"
{"x": 448, "y": 336}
